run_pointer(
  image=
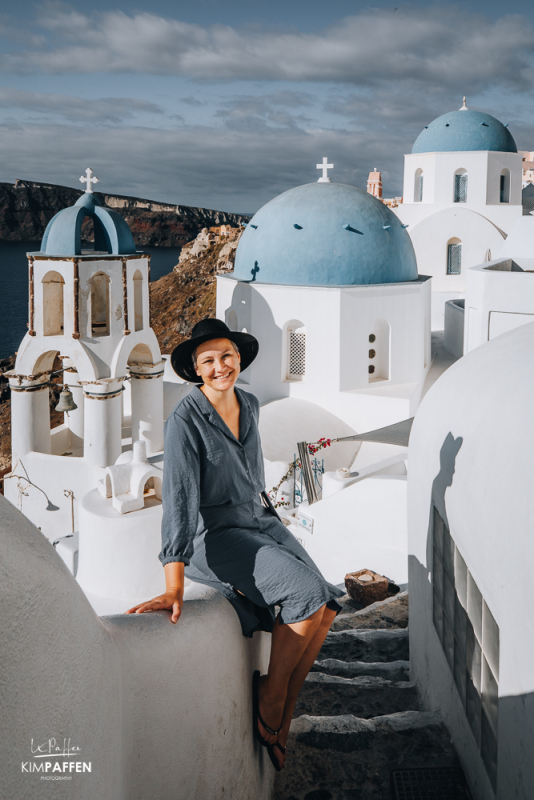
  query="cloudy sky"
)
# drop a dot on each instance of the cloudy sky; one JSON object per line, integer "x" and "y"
{"x": 225, "y": 103}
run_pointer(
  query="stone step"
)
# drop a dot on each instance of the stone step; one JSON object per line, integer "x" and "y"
{"x": 367, "y": 646}
{"x": 344, "y": 757}
{"x": 390, "y": 613}
{"x": 365, "y": 696}
{"x": 390, "y": 670}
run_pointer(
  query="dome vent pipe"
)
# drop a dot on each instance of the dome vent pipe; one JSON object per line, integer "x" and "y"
{"x": 348, "y": 227}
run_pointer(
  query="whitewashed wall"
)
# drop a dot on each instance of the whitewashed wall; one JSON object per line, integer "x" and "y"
{"x": 338, "y": 321}
{"x": 159, "y": 710}
{"x": 472, "y": 455}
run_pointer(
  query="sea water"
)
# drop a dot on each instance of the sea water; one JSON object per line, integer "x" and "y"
{"x": 14, "y": 286}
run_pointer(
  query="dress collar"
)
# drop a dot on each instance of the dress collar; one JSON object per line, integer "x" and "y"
{"x": 245, "y": 413}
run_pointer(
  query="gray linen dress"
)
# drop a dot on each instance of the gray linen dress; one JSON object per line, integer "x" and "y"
{"x": 214, "y": 521}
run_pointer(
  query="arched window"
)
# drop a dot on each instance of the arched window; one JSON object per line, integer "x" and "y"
{"x": 53, "y": 285}
{"x": 418, "y": 186}
{"x": 295, "y": 344}
{"x": 504, "y": 186}
{"x": 379, "y": 351}
{"x": 100, "y": 287}
{"x": 460, "y": 186}
{"x": 138, "y": 300}
{"x": 454, "y": 257}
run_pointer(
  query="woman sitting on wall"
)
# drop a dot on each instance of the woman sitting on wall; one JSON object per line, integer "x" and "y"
{"x": 217, "y": 531}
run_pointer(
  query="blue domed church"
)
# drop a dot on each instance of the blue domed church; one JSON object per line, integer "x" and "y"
{"x": 462, "y": 195}
{"x": 326, "y": 278}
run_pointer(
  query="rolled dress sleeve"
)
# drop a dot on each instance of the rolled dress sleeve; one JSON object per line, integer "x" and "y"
{"x": 180, "y": 491}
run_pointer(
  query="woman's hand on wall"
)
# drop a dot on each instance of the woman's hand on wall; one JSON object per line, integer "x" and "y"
{"x": 172, "y": 599}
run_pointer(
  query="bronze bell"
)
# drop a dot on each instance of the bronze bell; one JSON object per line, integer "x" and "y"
{"x": 66, "y": 402}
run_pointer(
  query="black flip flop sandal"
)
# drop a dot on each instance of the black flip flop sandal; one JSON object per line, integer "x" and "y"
{"x": 274, "y": 760}
{"x": 256, "y": 716}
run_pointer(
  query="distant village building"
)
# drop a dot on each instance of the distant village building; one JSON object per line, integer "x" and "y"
{"x": 528, "y": 166}
{"x": 374, "y": 184}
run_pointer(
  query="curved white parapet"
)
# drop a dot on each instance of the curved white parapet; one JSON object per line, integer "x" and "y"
{"x": 157, "y": 710}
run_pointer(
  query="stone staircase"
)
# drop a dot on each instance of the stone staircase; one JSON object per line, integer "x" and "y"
{"x": 358, "y": 715}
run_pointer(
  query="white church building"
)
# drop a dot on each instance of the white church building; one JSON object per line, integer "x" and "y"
{"x": 462, "y": 195}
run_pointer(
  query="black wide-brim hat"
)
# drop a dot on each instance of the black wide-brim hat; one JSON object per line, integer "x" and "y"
{"x": 206, "y": 329}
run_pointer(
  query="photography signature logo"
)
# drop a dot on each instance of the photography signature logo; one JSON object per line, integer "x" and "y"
{"x": 47, "y": 755}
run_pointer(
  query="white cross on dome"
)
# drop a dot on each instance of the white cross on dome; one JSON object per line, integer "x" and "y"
{"x": 89, "y": 180}
{"x": 325, "y": 166}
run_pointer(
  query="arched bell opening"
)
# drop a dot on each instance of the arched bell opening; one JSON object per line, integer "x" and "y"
{"x": 88, "y": 235}
{"x": 138, "y": 300}
{"x": 100, "y": 285}
{"x": 55, "y": 431}
{"x": 53, "y": 304}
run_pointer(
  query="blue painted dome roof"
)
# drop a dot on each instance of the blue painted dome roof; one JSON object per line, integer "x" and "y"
{"x": 325, "y": 234}
{"x": 63, "y": 234}
{"x": 464, "y": 130}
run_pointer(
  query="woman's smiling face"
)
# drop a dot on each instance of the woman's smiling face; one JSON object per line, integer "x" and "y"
{"x": 218, "y": 364}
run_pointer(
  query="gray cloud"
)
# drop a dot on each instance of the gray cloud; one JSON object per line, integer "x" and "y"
{"x": 443, "y": 46}
{"x": 76, "y": 109}
{"x": 259, "y": 114}
{"x": 195, "y": 166}
{"x": 193, "y": 101}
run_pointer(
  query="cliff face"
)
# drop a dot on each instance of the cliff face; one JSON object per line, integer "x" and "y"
{"x": 188, "y": 294}
{"x": 27, "y": 207}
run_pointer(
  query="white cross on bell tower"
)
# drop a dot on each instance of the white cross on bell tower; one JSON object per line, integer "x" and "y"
{"x": 89, "y": 180}
{"x": 325, "y": 166}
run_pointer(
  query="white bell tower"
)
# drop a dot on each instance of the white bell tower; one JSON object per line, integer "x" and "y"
{"x": 89, "y": 305}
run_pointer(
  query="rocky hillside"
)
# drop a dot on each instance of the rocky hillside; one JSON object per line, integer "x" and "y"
{"x": 177, "y": 302}
{"x": 27, "y": 207}
{"x": 187, "y": 295}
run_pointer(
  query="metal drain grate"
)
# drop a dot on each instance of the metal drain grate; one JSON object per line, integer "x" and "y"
{"x": 429, "y": 784}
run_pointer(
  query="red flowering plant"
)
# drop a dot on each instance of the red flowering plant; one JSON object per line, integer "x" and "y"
{"x": 312, "y": 449}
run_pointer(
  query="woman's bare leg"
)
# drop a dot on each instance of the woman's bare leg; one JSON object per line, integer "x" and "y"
{"x": 289, "y": 643}
{"x": 298, "y": 676}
